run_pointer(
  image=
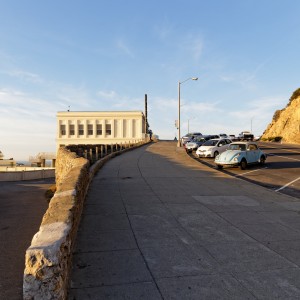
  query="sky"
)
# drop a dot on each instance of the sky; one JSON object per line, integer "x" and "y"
{"x": 106, "y": 55}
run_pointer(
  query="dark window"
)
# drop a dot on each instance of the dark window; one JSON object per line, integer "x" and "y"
{"x": 90, "y": 129}
{"x": 252, "y": 147}
{"x": 99, "y": 129}
{"x": 63, "y": 129}
{"x": 108, "y": 129}
{"x": 72, "y": 129}
{"x": 80, "y": 130}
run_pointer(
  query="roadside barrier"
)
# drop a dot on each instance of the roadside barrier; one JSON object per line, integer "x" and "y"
{"x": 48, "y": 260}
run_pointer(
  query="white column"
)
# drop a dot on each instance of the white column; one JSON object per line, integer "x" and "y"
{"x": 85, "y": 128}
{"x": 76, "y": 128}
{"x": 95, "y": 128}
{"x": 103, "y": 122}
{"x": 122, "y": 128}
{"x": 112, "y": 128}
{"x": 67, "y": 129}
{"x": 130, "y": 128}
{"x": 58, "y": 134}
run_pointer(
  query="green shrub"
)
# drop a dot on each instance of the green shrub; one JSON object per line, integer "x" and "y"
{"x": 277, "y": 115}
{"x": 274, "y": 139}
{"x": 295, "y": 95}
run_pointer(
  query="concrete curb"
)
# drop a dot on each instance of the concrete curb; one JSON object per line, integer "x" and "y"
{"x": 48, "y": 260}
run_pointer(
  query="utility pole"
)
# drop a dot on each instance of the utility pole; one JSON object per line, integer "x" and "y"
{"x": 146, "y": 115}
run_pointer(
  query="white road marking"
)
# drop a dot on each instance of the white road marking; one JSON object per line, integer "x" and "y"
{"x": 282, "y": 149}
{"x": 249, "y": 172}
{"x": 272, "y": 154}
{"x": 283, "y": 187}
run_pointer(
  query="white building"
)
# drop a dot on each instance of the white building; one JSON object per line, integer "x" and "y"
{"x": 99, "y": 127}
{"x": 6, "y": 162}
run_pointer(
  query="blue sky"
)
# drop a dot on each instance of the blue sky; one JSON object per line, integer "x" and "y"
{"x": 106, "y": 55}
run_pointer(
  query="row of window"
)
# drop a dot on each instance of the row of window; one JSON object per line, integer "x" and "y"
{"x": 90, "y": 130}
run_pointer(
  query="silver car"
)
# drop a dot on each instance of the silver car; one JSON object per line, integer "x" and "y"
{"x": 213, "y": 147}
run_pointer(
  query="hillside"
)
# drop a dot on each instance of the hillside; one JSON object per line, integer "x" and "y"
{"x": 286, "y": 122}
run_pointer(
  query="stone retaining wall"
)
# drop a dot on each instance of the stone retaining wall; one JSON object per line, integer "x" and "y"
{"x": 49, "y": 258}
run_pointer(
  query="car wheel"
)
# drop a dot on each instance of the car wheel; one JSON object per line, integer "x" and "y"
{"x": 262, "y": 160}
{"x": 216, "y": 154}
{"x": 220, "y": 167}
{"x": 243, "y": 164}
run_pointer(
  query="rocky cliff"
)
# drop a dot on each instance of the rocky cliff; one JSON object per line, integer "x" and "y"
{"x": 286, "y": 122}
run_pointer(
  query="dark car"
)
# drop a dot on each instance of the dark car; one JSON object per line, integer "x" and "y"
{"x": 190, "y": 136}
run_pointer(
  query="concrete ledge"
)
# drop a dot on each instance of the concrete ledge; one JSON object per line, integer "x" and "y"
{"x": 27, "y": 175}
{"x": 48, "y": 260}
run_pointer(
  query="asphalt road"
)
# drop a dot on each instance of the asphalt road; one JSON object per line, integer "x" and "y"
{"x": 159, "y": 225}
{"x": 22, "y": 206}
{"x": 281, "y": 172}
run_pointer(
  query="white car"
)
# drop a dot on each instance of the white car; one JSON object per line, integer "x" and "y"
{"x": 213, "y": 147}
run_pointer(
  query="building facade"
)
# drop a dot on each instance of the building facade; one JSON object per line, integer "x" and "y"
{"x": 92, "y": 128}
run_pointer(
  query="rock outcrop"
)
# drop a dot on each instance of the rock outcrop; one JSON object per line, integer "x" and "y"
{"x": 286, "y": 122}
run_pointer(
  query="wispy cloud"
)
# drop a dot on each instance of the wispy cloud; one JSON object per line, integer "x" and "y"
{"x": 27, "y": 124}
{"x": 200, "y": 107}
{"x": 244, "y": 78}
{"x": 192, "y": 46}
{"x": 258, "y": 113}
{"x": 110, "y": 100}
{"x": 107, "y": 94}
{"x": 25, "y": 76}
{"x": 21, "y": 105}
{"x": 196, "y": 48}
{"x": 123, "y": 46}
{"x": 77, "y": 97}
{"x": 164, "y": 29}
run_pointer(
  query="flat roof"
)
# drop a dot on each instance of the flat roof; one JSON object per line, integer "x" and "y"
{"x": 97, "y": 113}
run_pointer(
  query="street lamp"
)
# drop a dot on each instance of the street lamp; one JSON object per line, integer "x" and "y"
{"x": 179, "y": 83}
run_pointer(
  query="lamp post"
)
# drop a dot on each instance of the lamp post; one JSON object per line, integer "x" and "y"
{"x": 179, "y": 83}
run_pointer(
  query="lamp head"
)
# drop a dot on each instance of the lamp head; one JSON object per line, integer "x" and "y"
{"x": 194, "y": 78}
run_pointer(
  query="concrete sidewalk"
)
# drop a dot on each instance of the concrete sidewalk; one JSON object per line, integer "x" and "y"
{"x": 159, "y": 225}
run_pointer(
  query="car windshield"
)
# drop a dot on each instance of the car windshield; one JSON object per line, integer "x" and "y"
{"x": 241, "y": 147}
{"x": 199, "y": 139}
{"x": 210, "y": 143}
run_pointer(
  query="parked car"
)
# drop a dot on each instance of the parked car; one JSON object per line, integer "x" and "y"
{"x": 214, "y": 136}
{"x": 241, "y": 154}
{"x": 233, "y": 137}
{"x": 189, "y": 136}
{"x": 246, "y": 136}
{"x": 213, "y": 147}
{"x": 195, "y": 143}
